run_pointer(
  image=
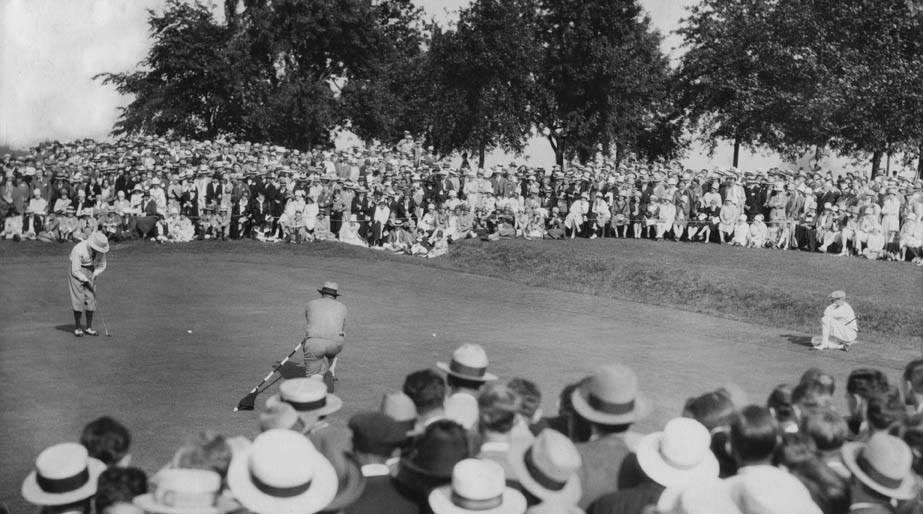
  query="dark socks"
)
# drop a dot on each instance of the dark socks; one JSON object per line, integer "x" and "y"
{"x": 89, "y": 319}
{"x": 77, "y": 315}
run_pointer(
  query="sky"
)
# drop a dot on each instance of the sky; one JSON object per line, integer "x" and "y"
{"x": 51, "y": 49}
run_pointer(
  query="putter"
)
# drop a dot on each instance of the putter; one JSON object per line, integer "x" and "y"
{"x": 249, "y": 401}
{"x": 101, "y": 317}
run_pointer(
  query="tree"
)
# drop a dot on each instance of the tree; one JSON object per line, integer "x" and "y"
{"x": 389, "y": 96}
{"x": 798, "y": 74}
{"x": 184, "y": 87}
{"x": 272, "y": 73}
{"x": 482, "y": 76}
{"x": 602, "y": 81}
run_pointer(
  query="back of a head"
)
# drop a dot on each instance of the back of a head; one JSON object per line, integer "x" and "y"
{"x": 529, "y": 394}
{"x": 827, "y": 427}
{"x": 913, "y": 374}
{"x": 812, "y": 395}
{"x": 864, "y": 381}
{"x": 119, "y": 485}
{"x": 780, "y": 403}
{"x": 106, "y": 439}
{"x": 795, "y": 448}
{"x": 885, "y": 410}
{"x": 498, "y": 405}
{"x": 816, "y": 375}
{"x": 427, "y": 389}
{"x": 712, "y": 409}
{"x": 754, "y": 435}
{"x": 208, "y": 451}
{"x": 828, "y": 489}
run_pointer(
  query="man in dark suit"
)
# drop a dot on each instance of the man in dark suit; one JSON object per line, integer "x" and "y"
{"x": 609, "y": 401}
{"x": 214, "y": 190}
{"x": 362, "y": 208}
{"x": 376, "y": 440}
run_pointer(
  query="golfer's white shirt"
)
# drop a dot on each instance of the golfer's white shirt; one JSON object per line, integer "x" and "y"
{"x": 81, "y": 258}
{"x": 842, "y": 313}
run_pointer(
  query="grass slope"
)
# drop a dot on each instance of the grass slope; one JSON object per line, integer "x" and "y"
{"x": 782, "y": 289}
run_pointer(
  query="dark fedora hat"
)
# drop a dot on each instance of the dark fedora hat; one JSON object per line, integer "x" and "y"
{"x": 433, "y": 455}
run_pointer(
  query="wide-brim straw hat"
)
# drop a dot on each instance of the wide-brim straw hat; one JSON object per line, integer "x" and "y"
{"x": 64, "y": 474}
{"x": 534, "y": 462}
{"x": 99, "y": 242}
{"x": 611, "y": 397}
{"x": 883, "y": 464}
{"x": 262, "y": 476}
{"x": 679, "y": 455}
{"x": 469, "y": 362}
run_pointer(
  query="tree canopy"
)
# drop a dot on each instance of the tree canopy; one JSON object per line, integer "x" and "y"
{"x": 588, "y": 75}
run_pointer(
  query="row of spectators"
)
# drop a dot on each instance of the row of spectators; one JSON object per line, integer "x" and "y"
{"x": 406, "y": 200}
{"x": 459, "y": 440}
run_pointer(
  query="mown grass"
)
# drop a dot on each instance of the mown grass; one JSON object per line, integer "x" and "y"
{"x": 781, "y": 289}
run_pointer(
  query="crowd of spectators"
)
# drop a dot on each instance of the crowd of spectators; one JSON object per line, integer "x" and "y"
{"x": 405, "y": 199}
{"x": 455, "y": 439}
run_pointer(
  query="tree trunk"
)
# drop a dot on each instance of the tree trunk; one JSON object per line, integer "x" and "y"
{"x": 481, "y": 152}
{"x": 920, "y": 164}
{"x": 736, "y": 151}
{"x": 876, "y": 163}
{"x": 558, "y": 146}
{"x": 618, "y": 155}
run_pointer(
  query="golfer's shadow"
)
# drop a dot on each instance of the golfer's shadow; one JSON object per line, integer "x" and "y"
{"x": 799, "y": 340}
{"x": 291, "y": 370}
{"x": 65, "y": 328}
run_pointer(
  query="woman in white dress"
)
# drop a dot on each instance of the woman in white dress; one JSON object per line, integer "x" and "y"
{"x": 349, "y": 233}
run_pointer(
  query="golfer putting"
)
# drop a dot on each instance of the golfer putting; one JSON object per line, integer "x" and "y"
{"x": 88, "y": 261}
{"x": 323, "y": 339}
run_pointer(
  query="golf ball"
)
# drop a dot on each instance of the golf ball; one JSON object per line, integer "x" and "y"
{"x": 434, "y": 335}
{"x": 189, "y": 331}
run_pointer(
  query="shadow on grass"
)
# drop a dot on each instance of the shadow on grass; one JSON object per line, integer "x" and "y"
{"x": 291, "y": 370}
{"x": 69, "y": 328}
{"x": 799, "y": 340}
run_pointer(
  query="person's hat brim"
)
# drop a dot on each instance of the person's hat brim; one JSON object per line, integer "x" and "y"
{"x": 440, "y": 501}
{"x": 35, "y": 495}
{"x": 321, "y": 492}
{"x": 486, "y": 378}
{"x": 100, "y": 249}
{"x": 905, "y": 491}
{"x": 333, "y": 404}
{"x": 642, "y": 408}
{"x": 569, "y": 494}
{"x": 149, "y": 504}
{"x": 654, "y": 465}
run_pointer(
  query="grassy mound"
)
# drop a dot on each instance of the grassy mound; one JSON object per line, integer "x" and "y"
{"x": 784, "y": 289}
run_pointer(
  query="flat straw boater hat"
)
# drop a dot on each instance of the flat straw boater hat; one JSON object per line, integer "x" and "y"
{"x": 610, "y": 396}
{"x": 548, "y": 467}
{"x": 478, "y": 486}
{"x": 185, "y": 491}
{"x": 469, "y": 362}
{"x": 64, "y": 473}
{"x": 282, "y": 473}
{"x": 308, "y": 396}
